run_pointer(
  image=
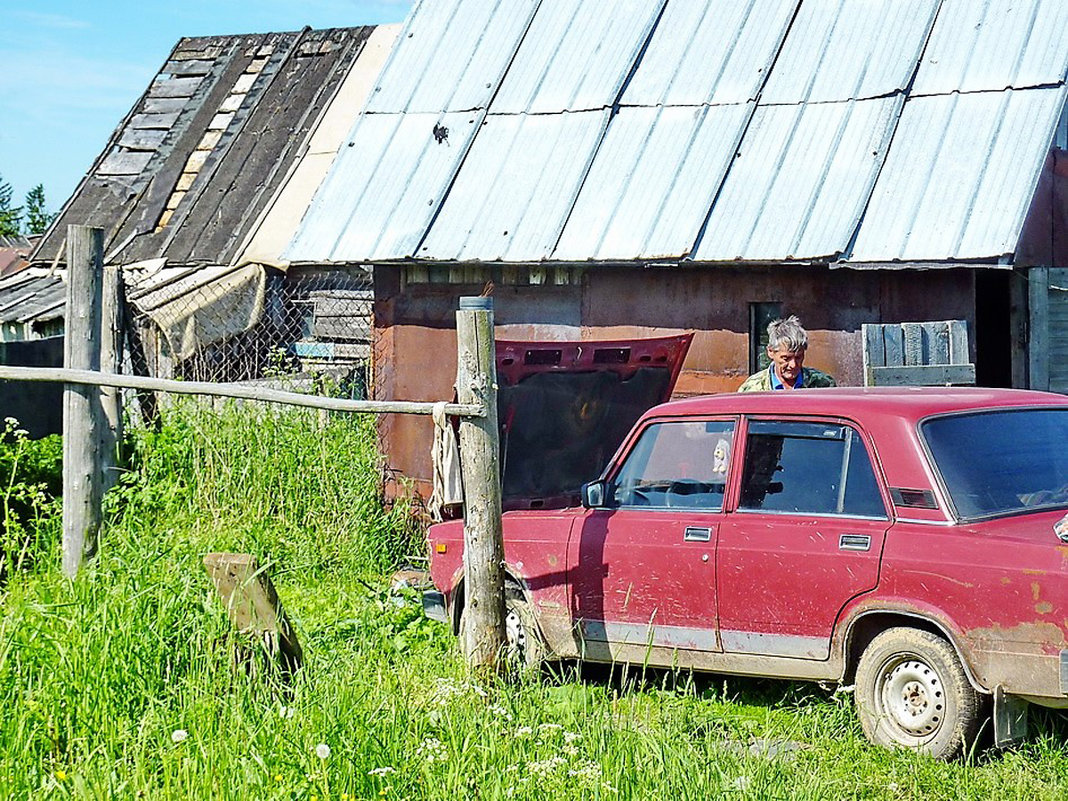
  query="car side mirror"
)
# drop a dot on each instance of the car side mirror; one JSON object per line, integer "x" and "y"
{"x": 595, "y": 494}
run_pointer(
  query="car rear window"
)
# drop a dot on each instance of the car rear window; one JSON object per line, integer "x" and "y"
{"x": 1002, "y": 462}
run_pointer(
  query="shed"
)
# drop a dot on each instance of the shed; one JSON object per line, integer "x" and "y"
{"x": 682, "y": 165}
{"x": 204, "y": 182}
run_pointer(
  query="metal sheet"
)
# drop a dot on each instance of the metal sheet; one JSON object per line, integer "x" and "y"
{"x": 517, "y": 187}
{"x": 995, "y": 44}
{"x": 384, "y": 188}
{"x": 719, "y": 51}
{"x": 652, "y": 182}
{"x": 451, "y": 55}
{"x": 960, "y": 176}
{"x": 558, "y": 68}
{"x": 849, "y": 49}
{"x": 800, "y": 183}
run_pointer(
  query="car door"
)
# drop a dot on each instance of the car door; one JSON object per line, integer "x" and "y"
{"x": 806, "y": 536}
{"x": 643, "y": 570}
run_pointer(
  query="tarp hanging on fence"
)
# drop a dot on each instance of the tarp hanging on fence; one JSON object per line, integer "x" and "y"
{"x": 197, "y": 307}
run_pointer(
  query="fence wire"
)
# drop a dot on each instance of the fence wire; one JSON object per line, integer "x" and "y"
{"x": 250, "y": 323}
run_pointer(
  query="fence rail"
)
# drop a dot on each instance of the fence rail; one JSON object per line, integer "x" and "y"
{"x": 231, "y": 390}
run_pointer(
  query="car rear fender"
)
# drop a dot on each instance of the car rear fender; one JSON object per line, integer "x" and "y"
{"x": 861, "y": 625}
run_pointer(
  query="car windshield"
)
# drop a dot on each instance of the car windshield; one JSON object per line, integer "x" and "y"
{"x": 1002, "y": 462}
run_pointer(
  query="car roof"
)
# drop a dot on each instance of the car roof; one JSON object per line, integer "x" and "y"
{"x": 857, "y": 402}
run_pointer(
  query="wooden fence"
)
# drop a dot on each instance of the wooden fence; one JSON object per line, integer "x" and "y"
{"x": 92, "y": 418}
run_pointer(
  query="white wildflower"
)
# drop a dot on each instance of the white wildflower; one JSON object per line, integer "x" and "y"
{"x": 381, "y": 771}
{"x": 741, "y": 783}
{"x": 571, "y": 736}
{"x": 322, "y": 750}
{"x": 523, "y": 732}
{"x": 286, "y": 712}
{"x": 431, "y": 750}
{"x": 500, "y": 711}
{"x": 179, "y": 735}
{"x": 587, "y": 771}
{"x": 546, "y": 767}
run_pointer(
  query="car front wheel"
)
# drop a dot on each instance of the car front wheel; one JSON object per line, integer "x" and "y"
{"x": 912, "y": 692}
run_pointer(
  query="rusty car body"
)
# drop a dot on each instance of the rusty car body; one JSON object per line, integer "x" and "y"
{"x": 909, "y": 540}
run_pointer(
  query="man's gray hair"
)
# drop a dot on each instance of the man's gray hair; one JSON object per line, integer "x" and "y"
{"x": 787, "y": 335}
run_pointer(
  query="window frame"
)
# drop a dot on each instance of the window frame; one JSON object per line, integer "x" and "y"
{"x": 735, "y": 421}
{"x": 860, "y": 435}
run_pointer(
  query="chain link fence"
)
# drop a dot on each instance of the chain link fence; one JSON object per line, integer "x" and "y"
{"x": 252, "y": 323}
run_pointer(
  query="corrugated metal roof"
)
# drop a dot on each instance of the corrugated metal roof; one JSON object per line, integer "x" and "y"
{"x": 653, "y": 182}
{"x": 453, "y": 57}
{"x": 187, "y": 174}
{"x": 794, "y": 179}
{"x": 821, "y": 62}
{"x": 517, "y": 187}
{"x": 719, "y": 51}
{"x": 800, "y": 182}
{"x": 960, "y": 176}
{"x": 556, "y": 69}
{"x": 385, "y": 187}
{"x": 990, "y": 45}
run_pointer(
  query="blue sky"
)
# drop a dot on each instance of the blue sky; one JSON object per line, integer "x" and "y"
{"x": 71, "y": 69}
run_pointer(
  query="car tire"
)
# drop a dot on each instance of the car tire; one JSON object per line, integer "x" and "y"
{"x": 912, "y": 692}
{"x": 524, "y": 649}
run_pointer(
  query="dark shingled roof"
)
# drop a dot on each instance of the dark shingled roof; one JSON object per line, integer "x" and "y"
{"x": 223, "y": 122}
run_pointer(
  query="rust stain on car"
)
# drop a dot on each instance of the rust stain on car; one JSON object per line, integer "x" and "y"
{"x": 1044, "y": 607}
{"x": 1040, "y": 637}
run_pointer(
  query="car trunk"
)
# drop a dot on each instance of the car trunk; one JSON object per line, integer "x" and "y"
{"x": 565, "y": 407}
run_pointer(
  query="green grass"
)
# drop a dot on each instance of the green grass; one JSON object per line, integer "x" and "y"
{"x": 99, "y": 677}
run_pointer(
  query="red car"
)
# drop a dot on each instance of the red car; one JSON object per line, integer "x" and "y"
{"x": 912, "y": 542}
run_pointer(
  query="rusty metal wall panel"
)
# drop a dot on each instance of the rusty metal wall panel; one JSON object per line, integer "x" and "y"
{"x": 960, "y": 177}
{"x": 719, "y": 51}
{"x": 652, "y": 182}
{"x": 517, "y": 187}
{"x": 451, "y": 55}
{"x": 991, "y": 45}
{"x": 821, "y": 59}
{"x": 799, "y": 186}
{"x": 558, "y": 68}
{"x": 385, "y": 187}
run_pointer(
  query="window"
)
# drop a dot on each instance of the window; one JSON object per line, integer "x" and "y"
{"x": 1002, "y": 462}
{"x": 812, "y": 468}
{"x": 760, "y": 314}
{"x": 677, "y": 464}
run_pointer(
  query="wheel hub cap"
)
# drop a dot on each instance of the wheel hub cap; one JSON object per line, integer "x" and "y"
{"x": 913, "y": 697}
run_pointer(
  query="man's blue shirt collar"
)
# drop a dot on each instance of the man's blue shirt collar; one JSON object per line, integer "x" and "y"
{"x": 777, "y": 384}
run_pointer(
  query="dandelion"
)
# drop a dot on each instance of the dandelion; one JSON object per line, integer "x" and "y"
{"x": 322, "y": 750}
{"x": 179, "y": 735}
{"x": 278, "y": 777}
{"x": 61, "y": 775}
{"x": 381, "y": 771}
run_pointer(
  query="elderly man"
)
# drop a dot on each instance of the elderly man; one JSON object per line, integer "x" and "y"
{"x": 787, "y": 343}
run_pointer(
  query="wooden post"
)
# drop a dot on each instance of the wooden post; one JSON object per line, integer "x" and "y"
{"x": 252, "y": 603}
{"x": 83, "y": 414}
{"x": 476, "y": 383}
{"x": 111, "y": 340}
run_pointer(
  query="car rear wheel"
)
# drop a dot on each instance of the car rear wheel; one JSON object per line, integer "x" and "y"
{"x": 912, "y": 692}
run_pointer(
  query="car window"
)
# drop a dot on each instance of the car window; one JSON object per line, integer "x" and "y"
{"x": 815, "y": 468}
{"x": 1002, "y": 462}
{"x": 677, "y": 464}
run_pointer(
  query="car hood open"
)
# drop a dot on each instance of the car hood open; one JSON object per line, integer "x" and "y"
{"x": 565, "y": 407}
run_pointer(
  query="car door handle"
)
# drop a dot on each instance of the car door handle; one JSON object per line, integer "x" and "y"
{"x": 697, "y": 534}
{"x": 854, "y": 542}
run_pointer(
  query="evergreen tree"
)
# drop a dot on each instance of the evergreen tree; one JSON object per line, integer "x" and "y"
{"x": 37, "y": 216}
{"x": 9, "y": 217}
